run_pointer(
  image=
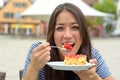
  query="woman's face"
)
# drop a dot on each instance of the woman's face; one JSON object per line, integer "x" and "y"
{"x": 67, "y": 31}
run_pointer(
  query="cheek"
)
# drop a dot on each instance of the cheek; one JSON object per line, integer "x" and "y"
{"x": 77, "y": 35}
{"x": 78, "y": 38}
{"x": 57, "y": 37}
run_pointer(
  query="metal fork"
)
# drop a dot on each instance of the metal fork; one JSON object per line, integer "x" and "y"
{"x": 63, "y": 49}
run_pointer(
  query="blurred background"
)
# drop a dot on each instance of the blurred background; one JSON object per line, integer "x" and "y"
{"x": 23, "y": 22}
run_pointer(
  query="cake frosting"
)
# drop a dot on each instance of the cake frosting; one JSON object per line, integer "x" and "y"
{"x": 73, "y": 59}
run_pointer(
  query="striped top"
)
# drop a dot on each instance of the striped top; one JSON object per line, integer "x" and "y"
{"x": 102, "y": 69}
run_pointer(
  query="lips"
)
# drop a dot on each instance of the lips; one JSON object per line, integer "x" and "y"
{"x": 70, "y": 43}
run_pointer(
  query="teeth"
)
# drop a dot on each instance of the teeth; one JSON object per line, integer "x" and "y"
{"x": 71, "y": 43}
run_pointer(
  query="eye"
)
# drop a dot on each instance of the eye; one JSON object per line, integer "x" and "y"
{"x": 59, "y": 28}
{"x": 75, "y": 28}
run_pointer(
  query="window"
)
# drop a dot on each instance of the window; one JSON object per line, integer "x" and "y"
{"x": 19, "y": 4}
{"x": 16, "y": 15}
{"x": 23, "y": 5}
{"x": 8, "y": 15}
{"x": 15, "y": 4}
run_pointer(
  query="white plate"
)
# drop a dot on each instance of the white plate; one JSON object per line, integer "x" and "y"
{"x": 61, "y": 66}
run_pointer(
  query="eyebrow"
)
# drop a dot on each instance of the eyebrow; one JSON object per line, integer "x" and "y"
{"x": 70, "y": 23}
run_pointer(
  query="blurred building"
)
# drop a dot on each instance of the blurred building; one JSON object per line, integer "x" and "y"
{"x": 99, "y": 30}
{"x": 90, "y": 2}
{"x": 94, "y": 29}
{"x": 11, "y": 23}
{"x": 116, "y": 32}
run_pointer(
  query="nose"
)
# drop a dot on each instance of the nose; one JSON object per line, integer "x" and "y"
{"x": 67, "y": 34}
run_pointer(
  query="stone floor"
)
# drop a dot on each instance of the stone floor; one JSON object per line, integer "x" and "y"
{"x": 13, "y": 52}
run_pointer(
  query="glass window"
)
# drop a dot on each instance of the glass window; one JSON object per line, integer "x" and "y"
{"x": 8, "y": 15}
{"x": 16, "y": 15}
{"x": 16, "y": 4}
{"x": 19, "y": 4}
{"x": 23, "y": 5}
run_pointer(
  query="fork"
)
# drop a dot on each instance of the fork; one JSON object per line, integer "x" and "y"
{"x": 63, "y": 49}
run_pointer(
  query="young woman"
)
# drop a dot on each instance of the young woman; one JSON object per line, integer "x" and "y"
{"x": 67, "y": 24}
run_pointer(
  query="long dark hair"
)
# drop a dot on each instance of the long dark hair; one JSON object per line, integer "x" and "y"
{"x": 85, "y": 48}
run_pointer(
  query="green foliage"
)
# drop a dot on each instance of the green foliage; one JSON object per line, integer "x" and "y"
{"x": 89, "y": 23}
{"x": 95, "y": 20}
{"x": 98, "y": 20}
{"x": 107, "y": 6}
{"x": 109, "y": 27}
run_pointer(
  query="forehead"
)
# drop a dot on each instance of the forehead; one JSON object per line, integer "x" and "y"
{"x": 65, "y": 15}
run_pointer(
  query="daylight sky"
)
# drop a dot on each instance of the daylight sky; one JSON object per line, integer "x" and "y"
{"x": 1, "y": 2}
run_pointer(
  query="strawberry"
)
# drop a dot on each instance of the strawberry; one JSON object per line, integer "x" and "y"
{"x": 77, "y": 56}
{"x": 71, "y": 55}
{"x": 67, "y": 46}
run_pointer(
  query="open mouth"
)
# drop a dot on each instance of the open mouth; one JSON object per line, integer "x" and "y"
{"x": 68, "y": 45}
{"x": 72, "y": 44}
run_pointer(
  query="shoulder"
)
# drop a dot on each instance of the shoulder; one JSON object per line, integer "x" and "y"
{"x": 35, "y": 44}
{"x": 94, "y": 50}
{"x": 102, "y": 68}
{"x": 95, "y": 53}
{"x": 98, "y": 56}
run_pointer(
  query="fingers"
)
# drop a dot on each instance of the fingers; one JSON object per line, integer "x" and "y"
{"x": 41, "y": 50}
{"x": 93, "y": 61}
{"x": 41, "y": 55}
{"x": 41, "y": 47}
{"x": 87, "y": 73}
{"x": 45, "y": 57}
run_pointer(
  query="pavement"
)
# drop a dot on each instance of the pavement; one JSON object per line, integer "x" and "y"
{"x": 13, "y": 52}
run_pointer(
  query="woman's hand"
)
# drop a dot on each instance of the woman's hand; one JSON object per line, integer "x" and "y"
{"x": 89, "y": 74}
{"x": 40, "y": 56}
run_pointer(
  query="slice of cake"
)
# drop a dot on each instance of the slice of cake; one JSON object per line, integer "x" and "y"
{"x": 73, "y": 59}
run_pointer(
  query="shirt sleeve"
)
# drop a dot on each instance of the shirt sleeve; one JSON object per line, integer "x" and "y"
{"x": 28, "y": 58}
{"x": 102, "y": 68}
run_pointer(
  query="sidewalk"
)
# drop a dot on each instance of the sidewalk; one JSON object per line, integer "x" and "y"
{"x": 13, "y": 53}
{"x": 110, "y": 49}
